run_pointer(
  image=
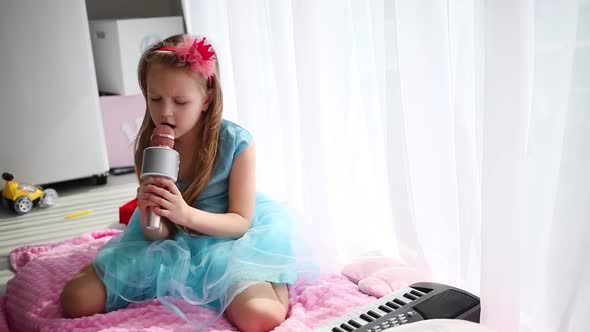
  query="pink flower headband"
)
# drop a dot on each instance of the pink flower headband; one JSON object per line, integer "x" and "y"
{"x": 197, "y": 52}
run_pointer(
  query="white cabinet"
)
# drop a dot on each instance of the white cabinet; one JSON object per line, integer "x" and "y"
{"x": 118, "y": 44}
{"x": 50, "y": 124}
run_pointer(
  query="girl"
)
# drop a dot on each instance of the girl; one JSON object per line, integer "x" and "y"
{"x": 220, "y": 244}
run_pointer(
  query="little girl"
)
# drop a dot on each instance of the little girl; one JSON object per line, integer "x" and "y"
{"x": 220, "y": 244}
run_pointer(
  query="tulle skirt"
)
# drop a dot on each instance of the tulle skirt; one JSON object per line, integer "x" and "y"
{"x": 206, "y": 270}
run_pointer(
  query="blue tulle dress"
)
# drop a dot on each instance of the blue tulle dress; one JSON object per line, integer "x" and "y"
{"x": 203, "y": 270}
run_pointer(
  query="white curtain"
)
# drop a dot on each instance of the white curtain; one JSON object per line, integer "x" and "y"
{"x": 454, "y": 135}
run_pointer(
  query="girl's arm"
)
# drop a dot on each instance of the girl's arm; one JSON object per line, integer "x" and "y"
{"x": 242, "y": 196}
{"x": 167, "y": 229}
{"x": 168, "y": 202}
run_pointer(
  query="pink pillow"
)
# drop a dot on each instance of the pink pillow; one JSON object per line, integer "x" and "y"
{"x": 379, "y": 276}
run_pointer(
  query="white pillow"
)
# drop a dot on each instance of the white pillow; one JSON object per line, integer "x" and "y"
{"x": 440, "y": 325}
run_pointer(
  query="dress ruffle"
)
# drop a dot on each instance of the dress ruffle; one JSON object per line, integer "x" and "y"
{"x": 206, "y": 270}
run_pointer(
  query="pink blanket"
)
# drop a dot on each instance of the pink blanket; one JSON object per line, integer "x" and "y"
{"x": 31, "y": 302}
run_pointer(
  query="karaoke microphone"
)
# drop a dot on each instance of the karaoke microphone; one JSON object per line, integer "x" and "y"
{"x": 159, "y": 159}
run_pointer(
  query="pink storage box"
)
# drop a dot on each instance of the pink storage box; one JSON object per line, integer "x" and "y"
{"x": 121, "y": 118}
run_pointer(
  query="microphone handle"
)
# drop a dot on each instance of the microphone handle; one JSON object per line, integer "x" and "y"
{"x": 159, "y": 161}
{"x": 153, "y": 220}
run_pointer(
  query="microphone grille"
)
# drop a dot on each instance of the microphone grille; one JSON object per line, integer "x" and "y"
{"x": 162, "y": 135}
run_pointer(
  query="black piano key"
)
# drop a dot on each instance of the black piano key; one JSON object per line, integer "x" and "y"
{"x": 355, "y": 323}
{"x": 374, "y": 314}
{"x": 385, "y": 309}
{"x": 347, "y": 327}
{"x": 366, "y": 317}
{"x": 415, "y": 293}
{"x": 400, "y": 302}
{"x": 410, "y": 296}
{"x": 392, "y": 305}
{"x": 337, "y": 329}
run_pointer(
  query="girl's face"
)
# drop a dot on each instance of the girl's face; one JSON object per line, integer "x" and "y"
{"x": 175, "y": 98}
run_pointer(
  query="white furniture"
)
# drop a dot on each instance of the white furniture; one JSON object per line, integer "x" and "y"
{"x": 50, "y": 124}
{"x": 117, "y": 46}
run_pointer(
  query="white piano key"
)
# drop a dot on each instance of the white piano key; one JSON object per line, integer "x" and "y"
{"x": 373, "y": 305}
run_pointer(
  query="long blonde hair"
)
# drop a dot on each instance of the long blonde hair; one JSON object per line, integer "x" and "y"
{"x": 203, "y": 163}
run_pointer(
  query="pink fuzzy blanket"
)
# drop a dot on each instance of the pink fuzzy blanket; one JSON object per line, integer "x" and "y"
{"x": 31, "y": 302}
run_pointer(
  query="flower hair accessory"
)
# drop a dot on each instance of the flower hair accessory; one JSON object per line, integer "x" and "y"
{"x": 196, "y": 51}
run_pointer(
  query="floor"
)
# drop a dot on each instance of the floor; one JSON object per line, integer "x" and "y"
{"x": 45, "y": 225}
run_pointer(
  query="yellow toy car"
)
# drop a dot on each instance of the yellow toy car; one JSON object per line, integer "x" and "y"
{"x": 22, "y": 197}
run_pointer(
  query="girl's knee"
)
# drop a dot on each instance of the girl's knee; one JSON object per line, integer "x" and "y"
{"x": 83, "y": 296}
{"x": 261, "y": 317}
{"x": 78, "y": 301}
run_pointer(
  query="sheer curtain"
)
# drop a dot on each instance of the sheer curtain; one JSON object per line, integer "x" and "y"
{"x": 451, "y": 134}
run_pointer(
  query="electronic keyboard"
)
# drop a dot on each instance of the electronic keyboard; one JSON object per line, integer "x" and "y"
{"x": 419, "y": 301}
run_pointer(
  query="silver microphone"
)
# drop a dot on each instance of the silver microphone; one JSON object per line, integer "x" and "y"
{"x": 159, "y": 159}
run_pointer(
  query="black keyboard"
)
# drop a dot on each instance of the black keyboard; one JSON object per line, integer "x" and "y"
{"x": 419, "y": 301}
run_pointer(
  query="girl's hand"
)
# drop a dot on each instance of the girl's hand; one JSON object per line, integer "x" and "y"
{"x": 143, "y": 202}
{"x": 164, "y": 198}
